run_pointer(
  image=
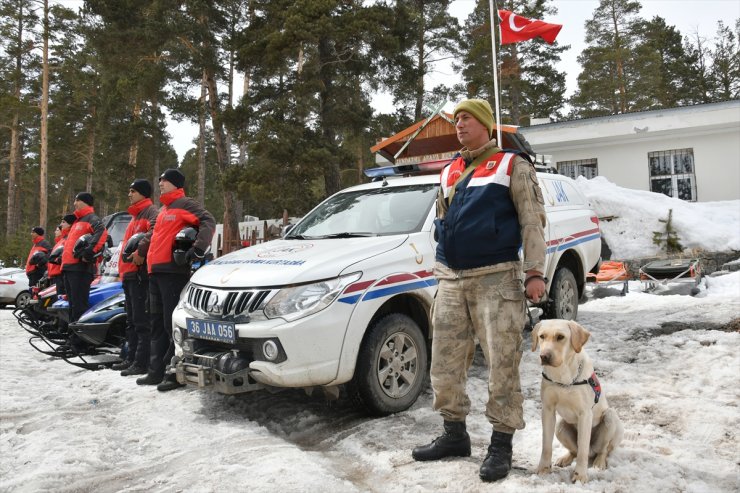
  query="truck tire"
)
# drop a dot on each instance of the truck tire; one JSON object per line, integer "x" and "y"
{"x": 392, "y": 366}
{"x": 563, "y": 296}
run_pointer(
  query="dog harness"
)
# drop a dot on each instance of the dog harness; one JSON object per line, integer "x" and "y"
{"x": 593, "y": 381}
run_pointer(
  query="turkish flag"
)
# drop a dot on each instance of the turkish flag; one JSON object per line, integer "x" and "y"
{"x": 515, "y": 28}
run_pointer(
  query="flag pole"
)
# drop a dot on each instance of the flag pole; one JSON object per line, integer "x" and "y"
{"x": 494, "y": 10}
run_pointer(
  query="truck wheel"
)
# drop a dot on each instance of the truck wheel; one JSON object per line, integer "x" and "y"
{"x": 563, "y": 296}
{"x": 392, "y": 366}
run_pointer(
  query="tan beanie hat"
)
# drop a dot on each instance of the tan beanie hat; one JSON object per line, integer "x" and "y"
{"x": 480, "y": 109}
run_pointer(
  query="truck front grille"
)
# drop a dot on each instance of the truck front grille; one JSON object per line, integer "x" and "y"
{"x": 225, "y": 304}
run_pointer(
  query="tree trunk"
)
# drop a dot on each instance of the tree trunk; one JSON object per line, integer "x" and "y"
{"x": 157, "y": 135}
{"x": 14, "y": 159}
{"x": 14, "y": 166}
{"x": 620, "y": 64}
{"x": 231, "y": 225}
{"x": 133, "y": 151}
{"x": 419, "y": 69}
{"x": 44, "y": 157}
{"x": 91, "y": 151}
{"x": 202, "y": 141}
{"x": 332, "y": 179}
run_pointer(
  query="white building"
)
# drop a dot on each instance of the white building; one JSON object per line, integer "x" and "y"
{"x": 692, "y": 152}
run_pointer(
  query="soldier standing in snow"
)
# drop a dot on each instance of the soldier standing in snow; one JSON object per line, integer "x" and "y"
{"x": 489, "y": 205}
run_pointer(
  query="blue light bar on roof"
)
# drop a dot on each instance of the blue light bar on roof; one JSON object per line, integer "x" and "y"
{"x": 408, "y": 169}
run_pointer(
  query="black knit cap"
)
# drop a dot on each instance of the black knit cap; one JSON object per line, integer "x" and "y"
{"x": 38, "y": 230}
{"x": 174, "y": 176}
{"x": 85, "y": 197}
{"x": 69, "y": 219}
{"x": 142, "y": 186}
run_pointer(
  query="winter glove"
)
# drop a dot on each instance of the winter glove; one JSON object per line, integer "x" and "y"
{"x": 88, "y": 255}
{"x": 194, "y": 255}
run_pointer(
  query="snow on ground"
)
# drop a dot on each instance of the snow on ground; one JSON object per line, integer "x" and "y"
{"x": 668, "y": 364}
{"x": 710, "y": 226}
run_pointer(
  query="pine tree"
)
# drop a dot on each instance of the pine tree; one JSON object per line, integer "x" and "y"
{"x": 699, "y": 85}
{"x": 426, "y": 34}
{"x": 608, "y": 73}
{"x": 668, "y": 238}
{"x": 20, "y": 67}
{"x": 665, "y": 67}
{"x": 726, "y": 61}
{"x": 308, "y": 106}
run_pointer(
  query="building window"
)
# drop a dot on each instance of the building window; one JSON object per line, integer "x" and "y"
{"x": 672, "y": 173}
{"x": 583, "y": 167}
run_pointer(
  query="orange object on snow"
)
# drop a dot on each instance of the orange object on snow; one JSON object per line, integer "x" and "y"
{"x": 610, "y": 270}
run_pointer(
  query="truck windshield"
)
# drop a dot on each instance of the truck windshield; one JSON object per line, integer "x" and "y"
{"x": 374, "y": 212}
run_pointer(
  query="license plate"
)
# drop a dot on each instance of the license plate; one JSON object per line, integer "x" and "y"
{"x": 212, "y": 330}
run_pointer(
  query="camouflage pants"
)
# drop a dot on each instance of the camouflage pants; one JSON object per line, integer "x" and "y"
{"x": 491, "y": 308}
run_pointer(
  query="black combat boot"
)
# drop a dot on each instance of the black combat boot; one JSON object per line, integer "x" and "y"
{"x": 497, "y": 463}
{"x": 454, "y": 442}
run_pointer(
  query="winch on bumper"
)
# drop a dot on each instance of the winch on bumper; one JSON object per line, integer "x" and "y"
{"x": 227, "y": 372}
{"x": 225, "y": 369}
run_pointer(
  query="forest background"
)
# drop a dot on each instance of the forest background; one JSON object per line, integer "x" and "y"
{"x": 86, "y": 93}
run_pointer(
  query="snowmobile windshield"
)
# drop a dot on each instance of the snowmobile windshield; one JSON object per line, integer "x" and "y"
{"x": 371, "y": 212}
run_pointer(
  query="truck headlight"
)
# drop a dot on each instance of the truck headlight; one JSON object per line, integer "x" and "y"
{"x": 182, "y": 303}
{"x": 300, "y": 301}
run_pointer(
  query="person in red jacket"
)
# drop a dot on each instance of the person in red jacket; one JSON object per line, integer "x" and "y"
{"x": 166, "y": 277}
{"x": 79, "y": 270}
{"x": 54, "y": 270}
{"x": 36, "y": 266}
{"x": 133, "y": 274}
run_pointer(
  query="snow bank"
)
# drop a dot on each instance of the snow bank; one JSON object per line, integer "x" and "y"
{"x": 709, "y": 226}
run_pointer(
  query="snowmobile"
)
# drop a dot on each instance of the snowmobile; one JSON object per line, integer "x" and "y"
{"x": 99, "y": 336}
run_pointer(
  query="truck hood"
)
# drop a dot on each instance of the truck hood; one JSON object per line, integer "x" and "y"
{"x": 282, "y": 262}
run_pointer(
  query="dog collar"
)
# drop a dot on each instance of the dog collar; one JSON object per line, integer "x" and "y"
{"x": 593, "y": 381}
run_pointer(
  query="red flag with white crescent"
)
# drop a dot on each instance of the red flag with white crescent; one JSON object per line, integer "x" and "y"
{"x": 515, "y": 28}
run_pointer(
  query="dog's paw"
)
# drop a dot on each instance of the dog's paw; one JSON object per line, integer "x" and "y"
{"x": 581, "y": 476}
{"x": 600, "y": 462}
{"x": 565, "y": 460}
{"x": 544, "y": 469}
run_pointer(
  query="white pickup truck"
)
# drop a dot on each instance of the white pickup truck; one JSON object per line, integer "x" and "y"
{"x": 343, "y": 300}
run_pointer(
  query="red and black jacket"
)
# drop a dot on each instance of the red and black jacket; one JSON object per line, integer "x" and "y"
{"x": 87, "y": 222}
{"x": 143, "y": 216}
{"x": 39, "y": 245}
{"x": 54, "y": 270}
{"x": 178, "y": 211}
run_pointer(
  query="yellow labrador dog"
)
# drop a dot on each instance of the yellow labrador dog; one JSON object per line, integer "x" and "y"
{"x": 588, "y": 428}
